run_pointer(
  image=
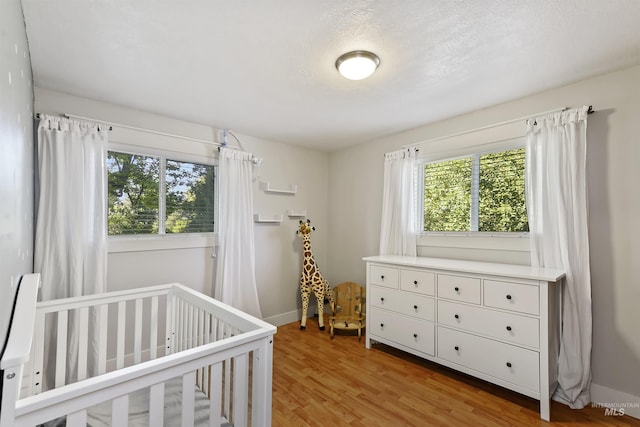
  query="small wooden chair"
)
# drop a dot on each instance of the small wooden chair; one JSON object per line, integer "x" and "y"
{"x": 347, "y": 309}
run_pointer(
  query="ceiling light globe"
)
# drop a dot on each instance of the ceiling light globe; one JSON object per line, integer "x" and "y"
{"x": 357, "y": 65}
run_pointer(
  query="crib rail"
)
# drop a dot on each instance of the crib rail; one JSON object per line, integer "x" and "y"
{"x": 19, "y": 344}
{"x": 145, "y": 337}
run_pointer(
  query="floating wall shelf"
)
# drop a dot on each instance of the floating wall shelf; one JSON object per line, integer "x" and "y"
{"x": 292, "y": 213}
{"x": 267, "y": 219}
{"x": 266, "y": 187}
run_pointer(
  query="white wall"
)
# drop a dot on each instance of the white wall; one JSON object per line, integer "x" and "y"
{"x": 614, "y": 209}
{"x": 16, "y": 158}
{"x": 278, "y": 250}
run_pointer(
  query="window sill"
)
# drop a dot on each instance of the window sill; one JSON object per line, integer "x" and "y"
{"x": 161, "y": 242}
{"x": 476, "y": 240}
{"x": 500, "y": 234}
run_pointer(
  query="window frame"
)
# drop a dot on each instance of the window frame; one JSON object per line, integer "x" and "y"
{"x": 164, "y": 241}
{"x": 475, "y": 153}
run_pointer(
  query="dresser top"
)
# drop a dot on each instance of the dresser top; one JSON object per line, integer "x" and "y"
{"x": 495, "y": 269}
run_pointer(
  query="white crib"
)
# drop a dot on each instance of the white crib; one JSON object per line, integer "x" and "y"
{"x": 165, "y": 355}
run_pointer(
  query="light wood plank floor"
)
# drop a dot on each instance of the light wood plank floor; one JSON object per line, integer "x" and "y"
{"x": 322, "y": 382}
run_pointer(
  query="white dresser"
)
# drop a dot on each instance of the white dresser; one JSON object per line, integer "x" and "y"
{"x": 497, "y": 322}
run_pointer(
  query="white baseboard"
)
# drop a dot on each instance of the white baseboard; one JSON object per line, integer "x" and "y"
{"x": 284, "y": 318}
{"x": 618, "y": 402}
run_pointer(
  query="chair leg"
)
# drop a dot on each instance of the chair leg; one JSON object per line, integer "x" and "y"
{"x": 331, "y": 328}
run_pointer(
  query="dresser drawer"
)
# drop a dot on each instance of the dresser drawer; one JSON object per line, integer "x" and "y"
{"x": 459, "y": 288}
{"x": 512, "y": 296}
{"x": 413, "y": 333}
{"x": 403, "y": 302}
{"x": 505, "y": 326}
{"x": 384, "y": 276}
{"x": 509, "y": 363}
{"x": 422, "y": 282}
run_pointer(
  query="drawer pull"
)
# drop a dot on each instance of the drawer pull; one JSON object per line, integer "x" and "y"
{"x": 508, "y": 328}
{"x": 456, "y": 316}
{"x": 457, "y": 289}
{"x": 415, "y": 282}
{"x": 382, "y": 277}
{"x": 456, "y": 348}
{"x": 509, "y": 297}
{"x": 415, "y": 335}
{"x": 415, "y": 307}
{"x": 381, "y": 299}
{"x": 382, "y": 325}
{"x": 508, "y": 364}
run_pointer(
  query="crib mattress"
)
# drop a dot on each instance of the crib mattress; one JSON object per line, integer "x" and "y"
{"x": 100, "y": 415}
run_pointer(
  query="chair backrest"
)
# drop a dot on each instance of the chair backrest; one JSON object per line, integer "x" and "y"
{"x": 349, "y": 300}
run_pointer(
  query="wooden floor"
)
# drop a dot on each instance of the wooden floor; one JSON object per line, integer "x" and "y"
{"x": 322, "y": 382}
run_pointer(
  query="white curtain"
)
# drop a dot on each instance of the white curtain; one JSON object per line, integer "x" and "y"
{"x": 557, "y": 207}
{"x": 71, "y": 222}
{"x": 235, "y": 271}
{"x": 398, "y": 225}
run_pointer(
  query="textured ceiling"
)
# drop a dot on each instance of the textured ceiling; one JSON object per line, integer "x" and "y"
{"x": 266, "y": 68}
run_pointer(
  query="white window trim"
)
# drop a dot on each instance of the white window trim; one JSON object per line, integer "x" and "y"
{"x": 155, "y": 242}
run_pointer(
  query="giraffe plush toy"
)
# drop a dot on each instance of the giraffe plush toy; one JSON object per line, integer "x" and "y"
{"x": 311, "y": 279}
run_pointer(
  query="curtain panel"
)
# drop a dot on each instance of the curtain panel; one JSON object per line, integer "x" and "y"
{"x": 556, "y": 187}
{"x": 235, "y": 282}
{"x": 398, "y": 225}
{"x": 71, "y": 217}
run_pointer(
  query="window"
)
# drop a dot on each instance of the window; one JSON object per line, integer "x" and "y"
{"x": 155, "y": 195}
{"x": 479, "y": 192}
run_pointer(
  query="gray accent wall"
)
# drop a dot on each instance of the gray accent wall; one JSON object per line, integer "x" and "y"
{"x": 16, "y": 158}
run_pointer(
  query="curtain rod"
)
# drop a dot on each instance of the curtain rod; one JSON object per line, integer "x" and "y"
{"x": 507, "y": 122}
{"x": 155, "y": 132}
{"x": 73, "y": 116}
{"x": 38, "y": 116}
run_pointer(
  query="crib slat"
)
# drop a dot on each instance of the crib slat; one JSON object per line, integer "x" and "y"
{"x": 122, "y": 317}
{"x": 176, "y": 326}
{"x": 61, "y": 348}
{"x": 170, "y": 324}
{"x": 153, "y": 338}
{"x": 38, "y": 352}
{"x": 205, "y": 374}
{"x": 240, "y": 390}
{"x": 223, "y": 331}
{"x": 199, "y": 326}
{"x": 213, "y": 329}
{"x": 226, "y": 397}
{"x": 261, "y": 381}
{"x": 137, "y": 345}
{"x": 188, "y": 398}
{"x": 156, "y": 405}
{"x": 103, "y": 317}
{"x": 82, "y": 343}
{"x": 185, "y": 324}
{"x": 190, "y": 330}
{"x": 77, "y": 419}
{"x": 120, "y": 411}
{"x": 215, "y": 395}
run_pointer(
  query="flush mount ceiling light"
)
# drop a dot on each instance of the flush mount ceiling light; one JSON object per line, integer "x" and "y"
{"x": 357, "y": 65}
